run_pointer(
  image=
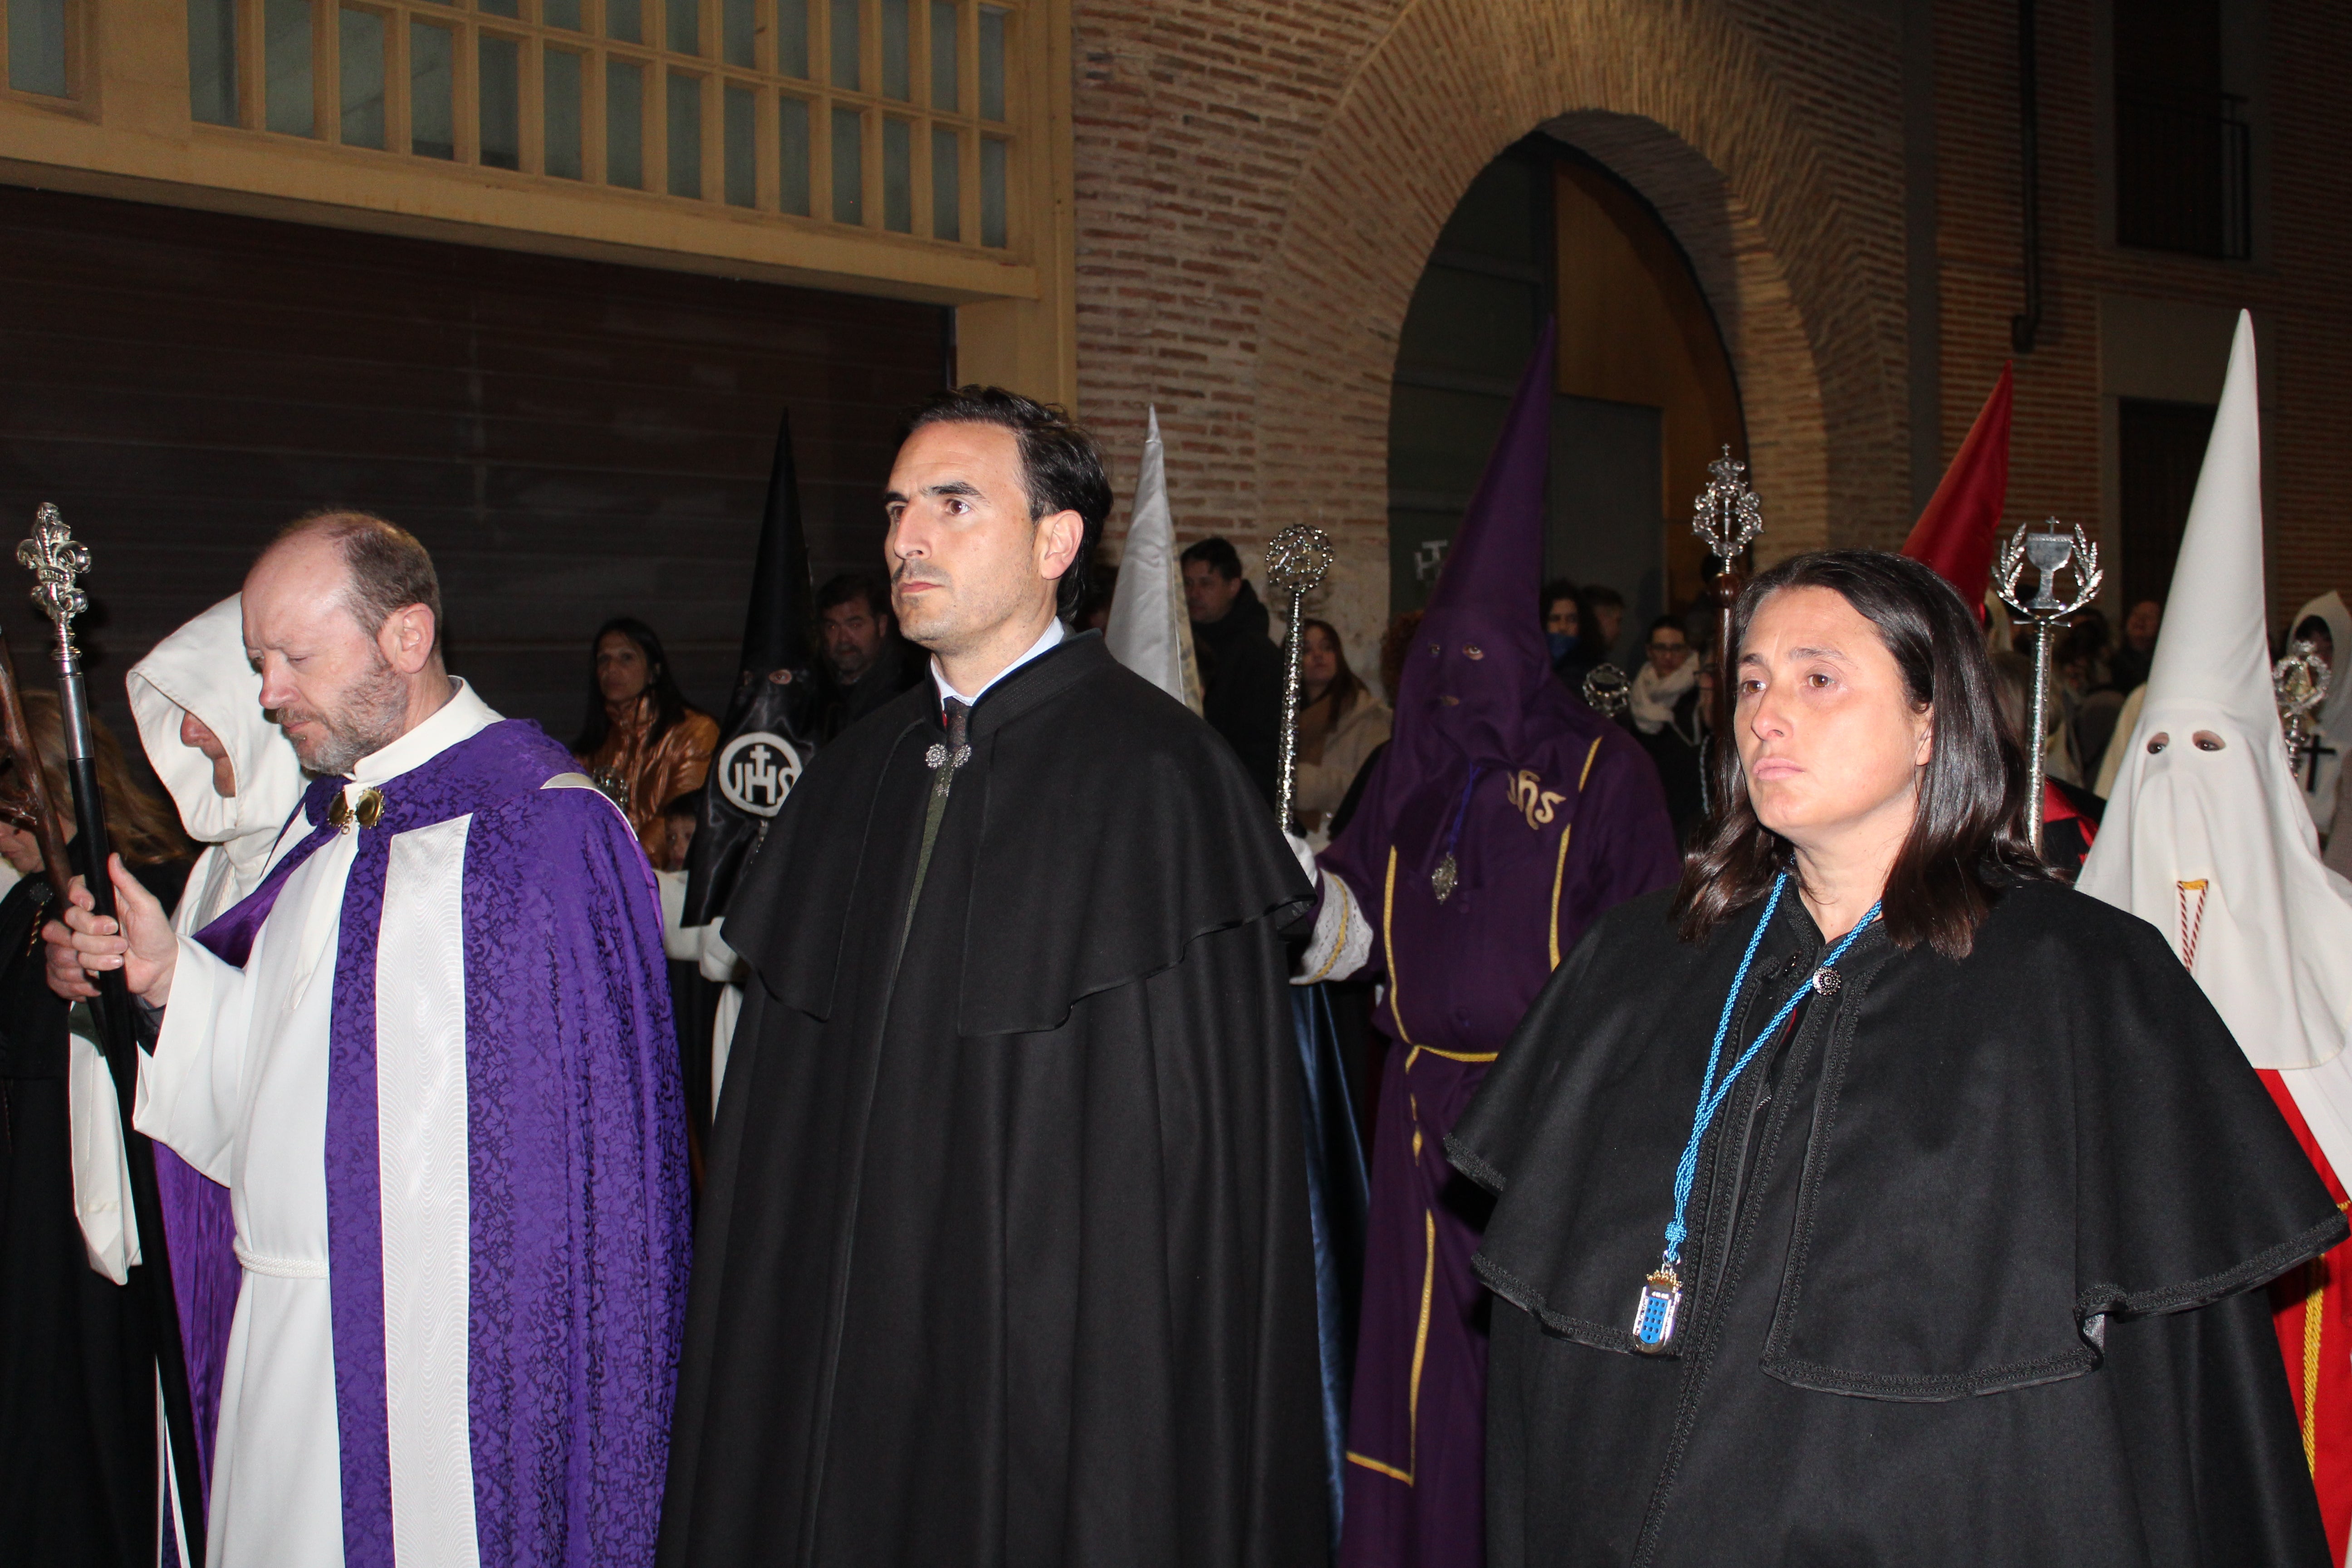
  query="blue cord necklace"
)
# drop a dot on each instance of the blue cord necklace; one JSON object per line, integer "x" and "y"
{"x": 1662, "y": 1294}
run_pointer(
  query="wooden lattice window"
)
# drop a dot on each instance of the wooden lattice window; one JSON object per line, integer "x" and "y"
{"x": 894, "y": 115}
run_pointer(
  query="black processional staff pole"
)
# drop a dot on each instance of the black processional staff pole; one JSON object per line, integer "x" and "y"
{"x": 1296, "y": 561}
{"x": 1728, "y": 515}
{"x": 57, "y": 559}
{"x": 2049, "y": 550}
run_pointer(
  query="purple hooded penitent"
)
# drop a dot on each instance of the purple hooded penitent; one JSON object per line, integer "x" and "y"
{"x": 1549, "y": 813}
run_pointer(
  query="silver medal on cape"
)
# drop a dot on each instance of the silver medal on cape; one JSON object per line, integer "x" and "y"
{"x": 1442, "y": 880}
{"x": 1653, "y": 1314}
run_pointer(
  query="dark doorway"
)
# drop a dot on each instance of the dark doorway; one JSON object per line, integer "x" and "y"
{"x": 1644, "y": 396}
{"x": 1472, "y": 324}
{"x": 2161, "y": 448}
{"x": 1605, "y": 523}
{"x": 572, "y": 440}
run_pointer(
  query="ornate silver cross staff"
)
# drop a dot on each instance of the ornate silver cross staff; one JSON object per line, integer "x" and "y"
{"x": 2299, "y": 680}
{"x": 1296, "y": 561}
{"x": 58, "y": 561}
{"x": 1728, "y": 515}
{"x": 2049, "y": 550}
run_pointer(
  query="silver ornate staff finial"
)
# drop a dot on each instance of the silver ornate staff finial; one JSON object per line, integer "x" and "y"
{"x": 2049, "y": 548}
{"x": 2299, "y": 681}
{"x": 1296, "y": 560}
{"x": 56, "y": 559}
{"x": 1727, "y": 515}
{"x": 1606, "y": 689}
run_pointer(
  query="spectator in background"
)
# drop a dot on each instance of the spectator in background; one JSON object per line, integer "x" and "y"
{"x": 1561, "y": 623}
{"x": 867, "y": 662}
{"x": 640, "y": 742}
{"x": 1663, "y": 709}
{"x": 2088, "y": 699}
{"x": 1093, "y": 614}
{"x": 1395, "y": 643}
{"x": 1241, "y": 669}
{"x": 2127, "y": 669}
{"x": 1602, "y": 609}
{"x": 1341, "y": 724}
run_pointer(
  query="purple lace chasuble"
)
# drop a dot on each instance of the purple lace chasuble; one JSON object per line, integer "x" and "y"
{"x": 575, "y": 1183}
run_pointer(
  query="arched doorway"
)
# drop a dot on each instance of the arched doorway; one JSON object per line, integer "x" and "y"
{"x": 1646, "y": 394}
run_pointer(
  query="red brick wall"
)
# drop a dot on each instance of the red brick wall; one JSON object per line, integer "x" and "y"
{"x": 1259, "y": 182}
{"x": 2294, "y": 285}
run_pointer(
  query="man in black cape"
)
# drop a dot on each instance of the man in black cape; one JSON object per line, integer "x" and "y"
{"x": 1004, "y": 1253}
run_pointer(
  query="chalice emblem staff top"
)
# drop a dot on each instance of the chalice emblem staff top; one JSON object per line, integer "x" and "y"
{"x": 2050, "y": 549}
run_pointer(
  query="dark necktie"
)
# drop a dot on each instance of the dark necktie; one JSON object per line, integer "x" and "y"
{"x": 943, "y": 759}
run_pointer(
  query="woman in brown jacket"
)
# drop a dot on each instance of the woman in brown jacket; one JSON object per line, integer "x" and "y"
{"x": 641, "y": 742}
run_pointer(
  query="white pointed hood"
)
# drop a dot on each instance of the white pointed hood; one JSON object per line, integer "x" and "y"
{"x": 1149, "y": 631}
{"x": 202, "y": 668}
{"x": 2334, "y": 719}
{"x": 2268, "y": 934}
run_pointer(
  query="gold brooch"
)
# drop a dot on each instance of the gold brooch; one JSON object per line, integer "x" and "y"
{"x": 339, "y": 815}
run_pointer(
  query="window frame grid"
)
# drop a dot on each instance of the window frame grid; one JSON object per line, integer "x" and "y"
{"x": 598, "y": 52}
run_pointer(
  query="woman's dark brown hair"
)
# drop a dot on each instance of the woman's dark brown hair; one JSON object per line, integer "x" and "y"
{"x": 1345, "y": 686}
{"x": 1968, "y": 839}
{"x": 670, "y": 705}
{"x": 144, "y": 829}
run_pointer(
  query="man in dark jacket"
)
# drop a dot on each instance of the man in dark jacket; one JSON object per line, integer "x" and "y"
{"x": 867, "y": 662}
{"x": 1005, "y": 1255}
{"x": 1241, "y": 669}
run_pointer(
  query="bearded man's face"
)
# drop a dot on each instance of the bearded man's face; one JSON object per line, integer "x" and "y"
{"x": 324, "y": 680}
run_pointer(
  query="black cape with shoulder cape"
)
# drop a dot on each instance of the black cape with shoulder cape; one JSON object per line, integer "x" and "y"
{"x": 1006, "y": 1260}
{"x": 1972, "y": 1268}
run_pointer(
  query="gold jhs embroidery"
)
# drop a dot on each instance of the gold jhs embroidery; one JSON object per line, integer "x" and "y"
{"x": 1527, "y": 792}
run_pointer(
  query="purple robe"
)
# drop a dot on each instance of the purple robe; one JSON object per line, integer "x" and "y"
{"x": 575, "y": 1186}
{"x": 1551, "y": 815}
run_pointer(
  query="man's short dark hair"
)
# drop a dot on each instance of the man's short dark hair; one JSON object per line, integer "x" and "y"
{"x": 1219, "y": 555}
{"x": 1602, "y": 593}
{"x": 848, "y": 585}
{"x": 1061, "y": 464}
{"x": 1556, "y": 590}
{"x": 389, "y": 569}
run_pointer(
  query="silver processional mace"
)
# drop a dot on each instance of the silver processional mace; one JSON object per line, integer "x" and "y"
{"x": 58, "y": 561}
{"x": 1296, "y": 560}
{"x": 1727, "y": 516}
{"x": 2299, "y": 681}
{"x": 2049, "y": 548}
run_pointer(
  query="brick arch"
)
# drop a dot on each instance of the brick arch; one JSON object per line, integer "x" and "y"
{"x": 1676, "y": 100}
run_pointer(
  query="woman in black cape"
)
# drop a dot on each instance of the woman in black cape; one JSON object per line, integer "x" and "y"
{"x": 78, "y": 1486}
{"x": 1958, "y": 1263}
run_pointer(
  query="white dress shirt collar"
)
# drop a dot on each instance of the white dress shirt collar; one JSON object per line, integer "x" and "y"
{"x": 1047, "y": 640}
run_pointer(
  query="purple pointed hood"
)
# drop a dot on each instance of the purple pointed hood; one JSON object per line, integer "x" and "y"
{"x": 1479, "y": 671}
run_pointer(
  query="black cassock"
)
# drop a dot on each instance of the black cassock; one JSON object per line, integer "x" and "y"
{"x": 1008, "y": 1260}
{"x": 1971, "y": 1269}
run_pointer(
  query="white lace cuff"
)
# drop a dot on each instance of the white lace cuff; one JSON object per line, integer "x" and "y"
{"x": 1342, "y": 942}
